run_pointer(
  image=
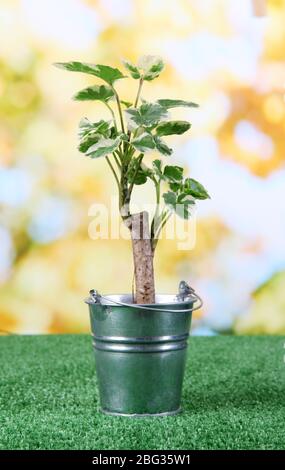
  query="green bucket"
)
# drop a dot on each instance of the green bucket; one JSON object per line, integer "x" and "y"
{"x": 140, "y": 352}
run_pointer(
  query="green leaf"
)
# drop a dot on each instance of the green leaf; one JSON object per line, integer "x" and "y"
{"x": 172, "y": 127}
{"x": 86, "y": 126}
{"x": 194, "y": 188}
{"x": 127, "y": 104}
{"x": 147, "y": 68}
{"x": 173, "y": 173}
{"x": 151, "y": 66}
{"x": 91, "y": 132}
{"x": 133, "y": 69}
{"x": 113, "y": 133}
{"x": 175, "y": 187}
{"x": 86, "y": 142}
{"x": 97, "y": 92}
{"x": 103, "y": 148}
{"x": 181, "y": 205}
{"x": 106, "y": 73}
{"x": 136, "y": 175}
{"x": 157, "y": 167}
{"x": 170, "y": 199}
{"x": 147, "y": 115}
{"x": 144, "y": 142}
{"x": 140, "y": 178}
{"x": 161, "y": 146}
{"x": 124, "y": 137}
{"x": 168, "y": 103}
{"x": 184, "y": 206}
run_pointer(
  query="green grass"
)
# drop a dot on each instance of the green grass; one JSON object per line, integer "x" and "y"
{"x": 233, "y": 397}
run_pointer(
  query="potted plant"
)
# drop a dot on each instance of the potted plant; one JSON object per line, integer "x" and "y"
{"x": 140, "y": 340}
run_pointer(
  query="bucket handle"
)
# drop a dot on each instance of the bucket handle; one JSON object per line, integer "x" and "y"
{"x": 96, "y": 297}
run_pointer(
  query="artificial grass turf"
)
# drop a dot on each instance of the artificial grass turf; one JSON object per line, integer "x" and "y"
{"x": 233, "y": 397}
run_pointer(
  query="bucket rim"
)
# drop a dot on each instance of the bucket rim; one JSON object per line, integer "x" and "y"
{"x": 162, "y": 300}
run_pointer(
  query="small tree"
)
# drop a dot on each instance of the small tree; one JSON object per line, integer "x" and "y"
{"x": 123, "y": 142}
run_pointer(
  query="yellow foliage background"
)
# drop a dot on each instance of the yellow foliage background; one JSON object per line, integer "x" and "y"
{"x": 219, "y": 54}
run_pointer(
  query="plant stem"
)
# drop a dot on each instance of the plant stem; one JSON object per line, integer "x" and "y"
{"x": 156, "y": 214}
{"x": 128, "y": 155}
{"x": 140, "y": 157}
{"x": 139, "y": 92}
{"x": 113, "y": 171}
{"x": 137, "y": 100}
{"x": 120, "y": 110}
{"x": 117, "y": 161}
{"x": 165, "y": 219}
{"x": 119, "y": 154}
{"x": 113, "y": 116}
{"x": 124, "y": 192}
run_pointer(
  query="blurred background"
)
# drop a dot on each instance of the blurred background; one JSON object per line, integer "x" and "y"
{"x": 223, "y": 54}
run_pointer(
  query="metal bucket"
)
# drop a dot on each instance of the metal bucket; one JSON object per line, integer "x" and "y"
{"x": 140, "y": 352}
